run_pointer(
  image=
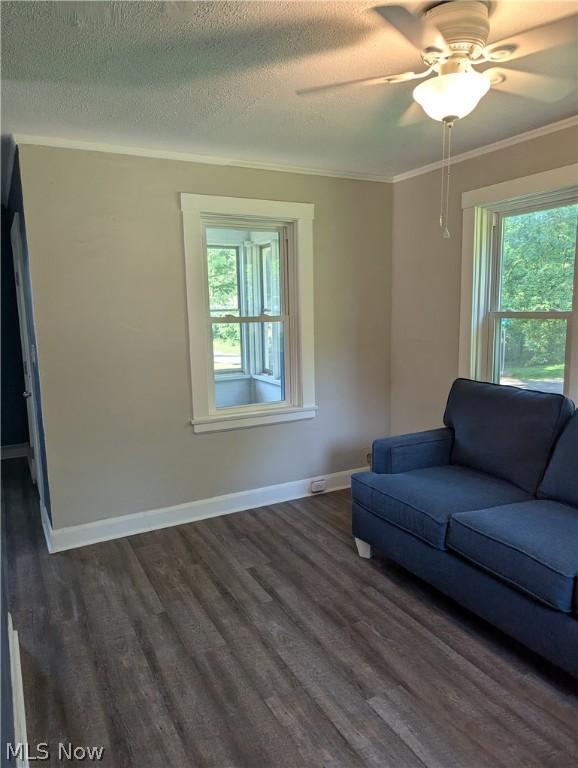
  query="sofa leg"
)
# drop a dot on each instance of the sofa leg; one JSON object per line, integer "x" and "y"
{"x": 363, "y": 548}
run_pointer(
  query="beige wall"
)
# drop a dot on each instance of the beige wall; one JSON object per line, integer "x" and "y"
{"x": 426, "y": 273}
{"x": 105, "y": 241}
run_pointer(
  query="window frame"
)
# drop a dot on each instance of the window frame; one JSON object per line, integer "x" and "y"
{"x": 228, "y": 373}
{"x": 271, "y": 373}
{"x": 296, "y": 220}
{"x": 496, "y": 315}
{"x": 480, "y": 315}
{"x": 252, "y": 337}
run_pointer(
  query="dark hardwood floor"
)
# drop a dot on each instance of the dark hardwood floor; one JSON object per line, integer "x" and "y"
{"x": 261, "y": 640}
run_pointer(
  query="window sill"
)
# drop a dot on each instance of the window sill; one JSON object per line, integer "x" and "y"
{"x": 267, "y": 379}
{"x": 232, "y": 376}
{"x": 224, "y": 377}
{"x": 252, "y": 419}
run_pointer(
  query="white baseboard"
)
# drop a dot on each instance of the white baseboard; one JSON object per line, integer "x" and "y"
{"x": 17, "y": 451}
{"x": 59, "y": 539}
{"x": 18, "y": 708}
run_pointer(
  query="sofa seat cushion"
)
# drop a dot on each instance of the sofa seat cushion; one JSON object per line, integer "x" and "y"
{"x": 560, "y": 482}
{"x": 422, "y": 501}
{"x": 533, "y": 546}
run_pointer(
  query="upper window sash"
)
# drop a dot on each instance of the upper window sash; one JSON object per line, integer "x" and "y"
{"x": 496, "y": 267}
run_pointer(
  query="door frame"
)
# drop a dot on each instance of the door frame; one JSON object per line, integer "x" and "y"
{"x": 29, "y": 358}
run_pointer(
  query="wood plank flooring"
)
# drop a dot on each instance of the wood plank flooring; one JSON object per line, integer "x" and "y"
{"x": 261, "y": 640}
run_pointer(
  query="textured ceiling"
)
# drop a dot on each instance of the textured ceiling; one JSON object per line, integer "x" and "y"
{"x": 219, "y": 78}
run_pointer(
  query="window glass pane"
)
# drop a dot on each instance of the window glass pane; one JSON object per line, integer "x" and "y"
{"x": 538, "y": 260}
{"x": 227, "y": 348}
{"x": 271, "y": 282}
{"x": 255, "y": 352}
{"x": 222, "y": 267}
{"x": 272, "y": 348}
{"x": 532, "y": 353}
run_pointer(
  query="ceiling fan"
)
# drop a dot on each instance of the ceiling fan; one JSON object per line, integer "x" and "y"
{"x": 452, "y": 39}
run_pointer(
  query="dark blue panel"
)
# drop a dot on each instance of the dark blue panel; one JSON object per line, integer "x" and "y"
{"x": 533, "y": 546}
{"x": 550, "y": 633}
{"x": 14, "y": 416}
{"x": 505, "y": 431}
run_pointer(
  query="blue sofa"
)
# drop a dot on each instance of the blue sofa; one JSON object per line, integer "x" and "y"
{"x": 486, "y": 510}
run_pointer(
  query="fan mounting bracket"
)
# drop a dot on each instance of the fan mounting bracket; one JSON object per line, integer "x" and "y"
{"x": 465, "y": 26}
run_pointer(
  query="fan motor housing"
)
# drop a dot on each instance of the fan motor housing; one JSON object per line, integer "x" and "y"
{"x": 464, "y": 24}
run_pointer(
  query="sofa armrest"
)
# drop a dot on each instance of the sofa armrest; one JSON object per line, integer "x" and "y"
{"x": 391, "y": 455}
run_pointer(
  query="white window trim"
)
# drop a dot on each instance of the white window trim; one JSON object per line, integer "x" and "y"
{"x": 479, "y": 205}
{"x": 301, "y": 400}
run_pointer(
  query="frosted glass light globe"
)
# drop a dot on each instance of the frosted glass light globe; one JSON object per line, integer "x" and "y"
{"x": 451, "y": 96}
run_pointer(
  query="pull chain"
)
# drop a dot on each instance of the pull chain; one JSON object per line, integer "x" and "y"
{"x": 443, "y": 175}
{"x": 445, "y": 185}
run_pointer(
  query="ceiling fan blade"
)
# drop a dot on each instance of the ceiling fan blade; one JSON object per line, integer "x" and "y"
{"x": 529, "y": 85}
{"x": 412, "y": 115}
{"x": 420, "y": 32}
{"x": 365, "y": 81}
{"x": 535, "y": 40}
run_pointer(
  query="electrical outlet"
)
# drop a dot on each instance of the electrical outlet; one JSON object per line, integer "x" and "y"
{"x": 318, "y": 486}
{"x": 368, "y": 459}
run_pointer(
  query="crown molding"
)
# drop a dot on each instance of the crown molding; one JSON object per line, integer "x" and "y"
{"x": 192, "y": 157}
{"x": 493, "y": 147}
{"x": 188, "y": 157}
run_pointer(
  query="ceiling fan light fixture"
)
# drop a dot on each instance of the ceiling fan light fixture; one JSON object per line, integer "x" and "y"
{"x": 451, "y": 96}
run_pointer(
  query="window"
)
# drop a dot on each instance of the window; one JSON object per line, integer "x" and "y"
{"x": 533, "y": 297}
{"x": 246, "y": 283}
{"x": 225, "y": 301}
{"x": 250, "y": 305}
{"x": 523, "y": 297}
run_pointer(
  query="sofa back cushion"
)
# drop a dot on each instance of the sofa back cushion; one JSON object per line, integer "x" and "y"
{"x": 560, "y": 482}
{"x": 505, "y": 431}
